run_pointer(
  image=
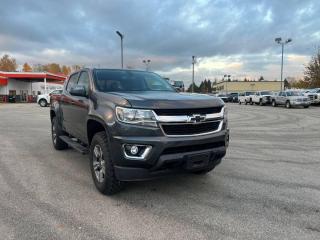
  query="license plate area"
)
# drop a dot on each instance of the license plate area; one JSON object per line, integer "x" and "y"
{"x": 197, "y": 161}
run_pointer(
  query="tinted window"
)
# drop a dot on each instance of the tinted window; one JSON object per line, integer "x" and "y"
{"x": 72, "y": 81}
{"x": 265, "y": 93}
{"x": 84, "y": 81}
{"x": 128, "y": 80}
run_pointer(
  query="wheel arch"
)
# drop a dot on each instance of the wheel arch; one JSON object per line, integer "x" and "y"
{"x": 95, "y": 125}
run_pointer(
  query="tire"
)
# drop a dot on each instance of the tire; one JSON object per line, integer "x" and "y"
{"x": 245, "y": 102}
{"x": 43, "y": 103}
{"x": 204, "y": 171}
{"x": 102, "y": 167}
{"x": 56, "y": 132}
{"x": 240, "y": 102}
{"x": 274, "y": 104}
{"x": 306, "y": 106}
{"x": 288, "y": 105}
{"x": 260, "y": 102}
{"x": 251, "y": 103}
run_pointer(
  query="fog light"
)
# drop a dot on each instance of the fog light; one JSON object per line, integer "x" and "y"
{"x": 134, "y": 150}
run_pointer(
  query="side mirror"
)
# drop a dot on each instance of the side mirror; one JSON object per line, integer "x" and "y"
{"x": 79, "y": 91}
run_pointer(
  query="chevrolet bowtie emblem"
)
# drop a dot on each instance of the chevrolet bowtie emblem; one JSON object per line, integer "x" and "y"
{"x": 196, "y": 118}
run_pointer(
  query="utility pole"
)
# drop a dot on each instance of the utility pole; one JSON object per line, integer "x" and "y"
{"x": 121, "y": 39}
{"x": 282, "y": 43}
{"x": 193, "y": 62}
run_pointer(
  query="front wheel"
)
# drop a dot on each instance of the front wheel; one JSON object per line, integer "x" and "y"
{"x": 288, "y": 105}
{"x": 306, "y": 106}
{"x": 43, "y": 103}
{"x": 274, "y": 103}
{"x": 260, "y": 102}
{"x": 102, "y": 167}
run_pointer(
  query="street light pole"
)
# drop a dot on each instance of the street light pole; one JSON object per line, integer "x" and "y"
{"x": 193, "y": 62}
{"x": 147, "y": 62}
{"x": 121, "y": 39}
{"x": 282, "y": 43}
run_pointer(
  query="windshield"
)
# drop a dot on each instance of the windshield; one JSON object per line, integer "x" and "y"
{"x": 128, "y": 80}
{"x": 294, "y": 94}
{"x": 266, "y": 93}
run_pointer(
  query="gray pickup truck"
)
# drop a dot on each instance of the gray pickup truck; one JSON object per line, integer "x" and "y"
{"x": 290, "y": 99}
{"x": 135, "y": 126}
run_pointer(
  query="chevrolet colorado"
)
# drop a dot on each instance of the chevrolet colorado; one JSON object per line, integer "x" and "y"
{"x": 135, "y": 126}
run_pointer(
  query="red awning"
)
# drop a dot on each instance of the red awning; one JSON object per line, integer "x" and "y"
{"x": 33, "y": 75}
{"x": 3, "y": 81}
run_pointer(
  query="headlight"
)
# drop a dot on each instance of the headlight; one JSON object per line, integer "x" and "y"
{"x": 225, "y": 112}
{"x": 136, "y": 116}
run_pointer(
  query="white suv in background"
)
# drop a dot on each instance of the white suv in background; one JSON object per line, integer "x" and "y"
{"x": 44, "y": 99}
{"x": 245, "y": 97}
{"x": 262, "y": 97}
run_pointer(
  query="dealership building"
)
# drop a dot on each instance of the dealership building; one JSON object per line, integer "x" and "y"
{"x": 243, "y": 86}
{"x": 25, "y": 86}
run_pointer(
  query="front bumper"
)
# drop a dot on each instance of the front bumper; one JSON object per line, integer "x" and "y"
{"x": 169, "y": 155}
{"x": 304, "y": 104}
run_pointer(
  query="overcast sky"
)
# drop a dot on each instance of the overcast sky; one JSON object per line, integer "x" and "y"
{"x": 228, "y": 37}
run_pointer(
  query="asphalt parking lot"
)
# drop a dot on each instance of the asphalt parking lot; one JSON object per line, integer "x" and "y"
{"x": 267, "y": 187}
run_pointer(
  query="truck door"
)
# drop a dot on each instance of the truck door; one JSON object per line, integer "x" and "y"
{"x": 67, "y": 105}
{"x": 81, "y": 108}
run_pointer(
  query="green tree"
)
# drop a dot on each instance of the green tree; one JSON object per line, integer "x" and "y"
{"x": 261, "y": 79}
{"x": 8, "y": 64}
{"x": 196, "y": 88}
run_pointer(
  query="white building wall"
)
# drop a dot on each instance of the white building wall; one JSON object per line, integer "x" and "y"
{"x": 3, "y": 90}
{"x": 39, "y": 87}
{"x": 19, "y": 85}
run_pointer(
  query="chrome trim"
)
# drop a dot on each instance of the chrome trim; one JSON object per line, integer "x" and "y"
{"x": 192, "y": 135}
{"x": 186, "y": 118}
{"x": 143, "y": 155}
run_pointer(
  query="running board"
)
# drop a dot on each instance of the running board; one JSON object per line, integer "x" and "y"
{"x": 75, "y": 145}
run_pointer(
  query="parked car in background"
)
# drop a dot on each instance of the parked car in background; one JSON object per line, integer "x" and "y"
{"x": 223, "y": 97}
{"x": 245, "y": 97}
{"x": 313, "y": 95}
{"x": 234, "y": 97}
{"x": 290, "y": 99}
{"x": 44, "y": 99}
{"x": 261, "y": 97}
{"x": 178, "y": 85}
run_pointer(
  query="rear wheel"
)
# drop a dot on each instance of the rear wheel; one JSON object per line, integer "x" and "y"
{"x": 43, "y": 103}
{"x": 306, "y": 106}
{"x": 56, "y": 132}
{"x": 102, "y": 167}
{"x": 274, "y": 104}
{"x": 245, "y": 102}
{"x": 251, "y": 102}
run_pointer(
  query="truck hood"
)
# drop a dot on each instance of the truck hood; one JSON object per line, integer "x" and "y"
{"x": 168, "y": 100}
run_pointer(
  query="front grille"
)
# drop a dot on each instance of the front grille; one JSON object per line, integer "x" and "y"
{"x": 190, "y": 128}
{"x": 193, "y": 148}
{"x": 311, "y": 97}
{"x": 189, "y": 111}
